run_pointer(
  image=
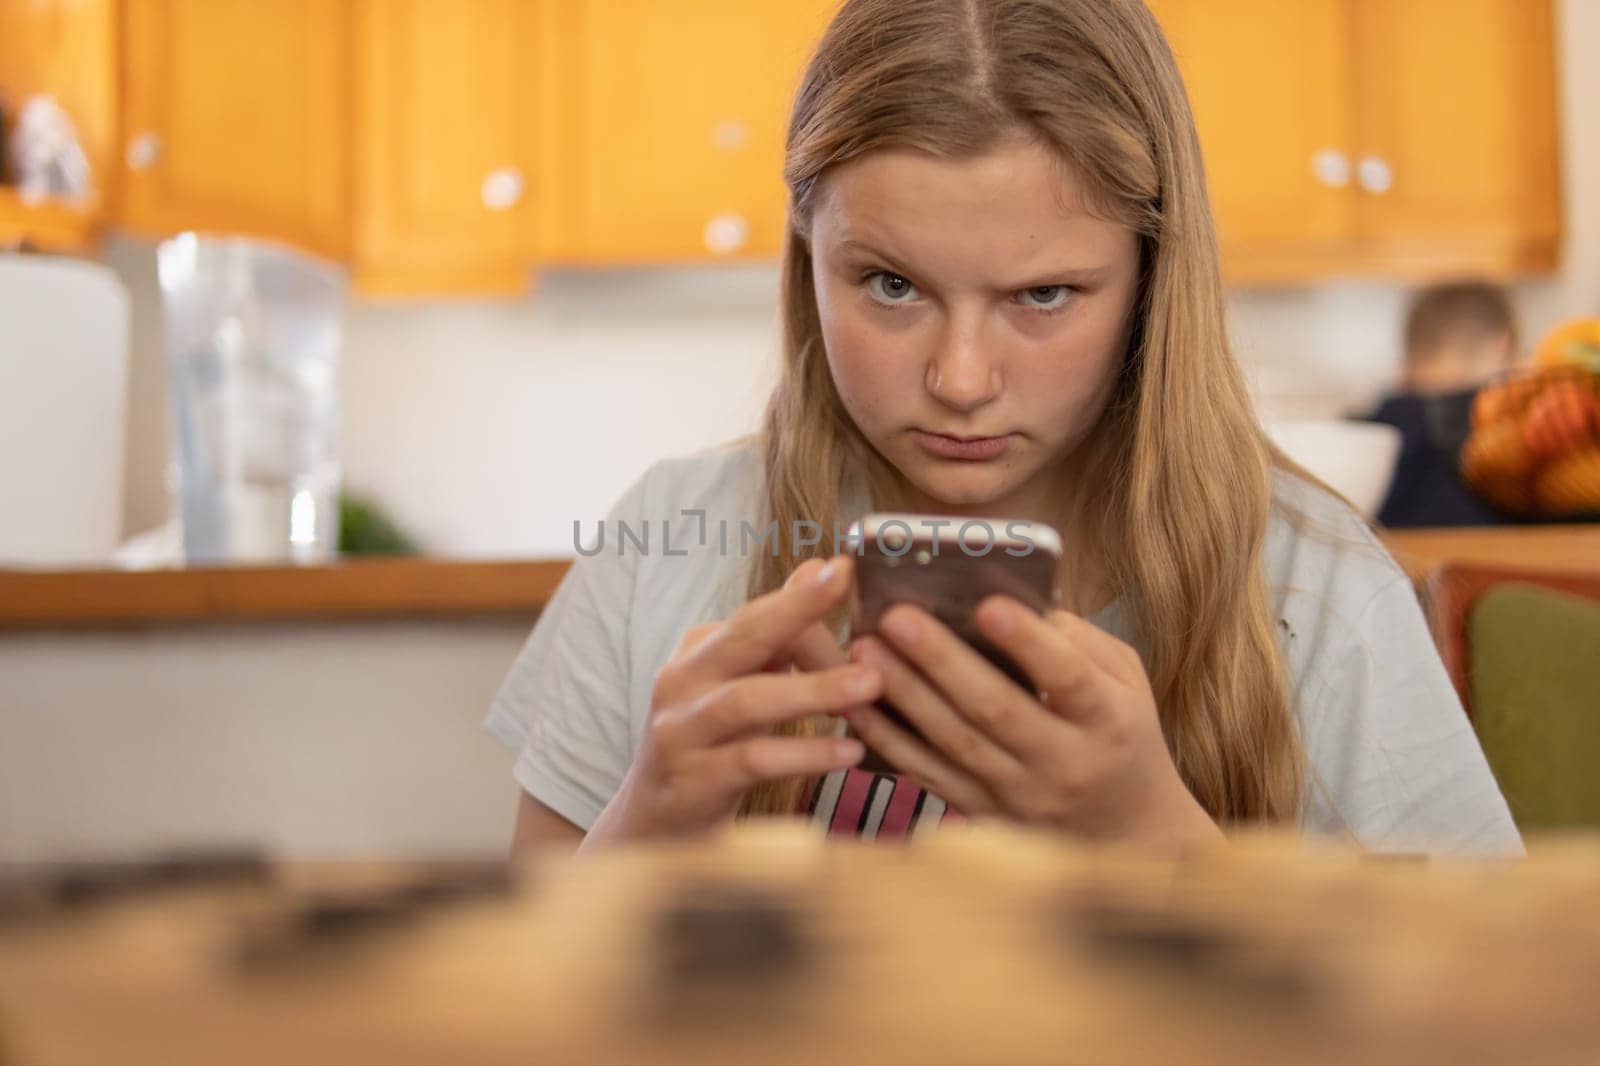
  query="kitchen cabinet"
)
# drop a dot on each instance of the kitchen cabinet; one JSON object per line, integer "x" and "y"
{"x": 670, "y": 121}
{"x": 236, "y": 116}
{"x": 1457, "y": 156}
{"x": 67, "y": 49}
{"x": 451, "y": 146}
{"x": 447, "y": 145}
{"x": 1267, "y": 80}
{"x": 1373, "y": 137}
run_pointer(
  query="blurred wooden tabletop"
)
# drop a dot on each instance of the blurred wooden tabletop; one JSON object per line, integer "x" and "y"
{"x": 770, "y": 945}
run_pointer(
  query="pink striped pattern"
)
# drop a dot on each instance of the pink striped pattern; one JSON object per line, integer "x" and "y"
{"x": 875, "y": 806}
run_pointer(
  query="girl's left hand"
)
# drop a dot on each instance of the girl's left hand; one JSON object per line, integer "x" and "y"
{"x": 1085, "y": 754}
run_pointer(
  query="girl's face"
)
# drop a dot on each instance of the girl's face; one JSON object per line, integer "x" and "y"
{"x": 975, "y": 316}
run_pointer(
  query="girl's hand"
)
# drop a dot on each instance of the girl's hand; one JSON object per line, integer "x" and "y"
{"x": 708, "y": 738}
{"x": 1085, "y": 754}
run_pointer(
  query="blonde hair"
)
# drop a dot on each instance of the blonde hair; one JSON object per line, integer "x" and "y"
{"x": 1178, "y": 449}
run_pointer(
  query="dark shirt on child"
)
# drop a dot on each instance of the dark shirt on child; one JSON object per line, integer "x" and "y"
{"x": 1427, "y": 489}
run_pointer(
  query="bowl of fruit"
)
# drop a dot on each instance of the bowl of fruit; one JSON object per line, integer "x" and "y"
{"x": 1534, "y": 448}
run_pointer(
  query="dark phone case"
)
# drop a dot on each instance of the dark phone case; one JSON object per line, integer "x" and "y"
{"x": 949, "y": 586}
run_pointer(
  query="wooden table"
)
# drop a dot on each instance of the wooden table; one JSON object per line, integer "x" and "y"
{"x": 772, "y": 945}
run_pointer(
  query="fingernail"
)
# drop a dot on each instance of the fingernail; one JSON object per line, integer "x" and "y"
{"x": 851, "y": 750}
{"x": 1000, "y": 616}
{"x": 862, "y": 684}
{"x": 824, "y": 575}
{"x": 901, "y": 626}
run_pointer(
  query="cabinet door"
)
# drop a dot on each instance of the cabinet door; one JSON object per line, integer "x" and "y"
{"x": 447, "y": 162}
{"x": 675, "y": 119}
{"x": 1458, "y": 157}
{"x": 236, "y": 118}
{"x": 66, "y": 49}
{"x": 1268, "y": 81}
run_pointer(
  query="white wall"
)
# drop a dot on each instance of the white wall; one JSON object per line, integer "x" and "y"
{"x": 344, "y": 739}
{"x": 489, "y": 428}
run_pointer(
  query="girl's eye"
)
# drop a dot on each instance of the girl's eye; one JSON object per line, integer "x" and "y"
{"x": 1045, "y": 297}
{"x": 889, "y": 288}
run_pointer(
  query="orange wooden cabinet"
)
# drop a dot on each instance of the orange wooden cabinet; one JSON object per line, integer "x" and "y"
{"x": 448, "y": 145}
{"x": 1268, "y": 81}
{"x": 67, "y": 49}
{"x": 1375, "y": 137}
{"x": 667, "y": 125}
{"x": 236, "y": 117}
{"x": 1457, "y": 160}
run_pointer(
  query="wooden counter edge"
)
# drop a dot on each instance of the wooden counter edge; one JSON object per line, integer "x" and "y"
{"x": 413, "y": 587}
{"x": 396, "y": 587}
{"x": 1574, "y": 548}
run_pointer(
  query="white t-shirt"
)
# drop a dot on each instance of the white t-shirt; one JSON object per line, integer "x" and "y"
{"x": 1393, "y": 759}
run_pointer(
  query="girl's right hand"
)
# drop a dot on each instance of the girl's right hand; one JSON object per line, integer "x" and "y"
{"x": 708, "y": 739}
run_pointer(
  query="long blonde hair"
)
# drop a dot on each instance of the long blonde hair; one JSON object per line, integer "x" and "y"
{"x": 1178, "y": 450}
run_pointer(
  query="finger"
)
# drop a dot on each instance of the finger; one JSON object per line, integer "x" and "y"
{"x": 815, "y": 648}
{"x": 1116, "y": 658}
{"x": 948, "y": 732}
{"x": 970, "y": 684}
{"x": 761, "y": 701}
{"x": 695, "y": 634}
{"x": 764, "y": 627}
{"x": 748, "y": 762}
{"x": 916, "y": 760}
{"x": 1076, "y": 686}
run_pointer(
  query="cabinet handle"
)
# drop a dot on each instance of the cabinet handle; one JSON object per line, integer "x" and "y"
{"x": 726, "y": 233}
{"x": 1332, "y": 168}
{"x": 730, "y": 135}
{"x": 1375, "y": 175}
{"x": 144, "y": 151}
{"x": 502, "y": 188}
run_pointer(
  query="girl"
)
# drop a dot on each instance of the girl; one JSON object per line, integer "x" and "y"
{"x": 1000, "y": 298}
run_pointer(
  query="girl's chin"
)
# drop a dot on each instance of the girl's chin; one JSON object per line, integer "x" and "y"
{"x": 961, "y": 490}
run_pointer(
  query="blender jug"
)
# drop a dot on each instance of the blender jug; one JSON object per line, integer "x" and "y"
{"x": 252, "y": 337}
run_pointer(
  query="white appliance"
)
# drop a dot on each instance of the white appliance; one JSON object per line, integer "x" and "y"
{"x": 63, "y": 406}
{"x": 1356, "y": 458}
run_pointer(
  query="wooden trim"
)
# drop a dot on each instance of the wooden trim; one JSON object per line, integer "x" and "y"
{"x": 1552, "y": 547}
{"x": 1454, "y": 590}
{"x": 409, "y": 587}
{"x": 368, "y": 587}
{"x": 51, "y": 226}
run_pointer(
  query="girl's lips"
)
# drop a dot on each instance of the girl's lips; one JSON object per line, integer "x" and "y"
{"x": 970, "y": 449}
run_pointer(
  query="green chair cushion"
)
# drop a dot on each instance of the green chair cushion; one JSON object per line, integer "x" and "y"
{"x": 1535, "y": 690}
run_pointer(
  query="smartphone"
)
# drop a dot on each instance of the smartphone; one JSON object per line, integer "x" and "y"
{"x": 948, "y": 566}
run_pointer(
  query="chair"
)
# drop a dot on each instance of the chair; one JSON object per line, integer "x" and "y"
{"x": 1453, "y": 589}
{"x": 1523, "y": 650}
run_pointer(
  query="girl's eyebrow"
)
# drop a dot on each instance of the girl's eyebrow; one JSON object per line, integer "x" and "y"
{"x": 1087, "y": 277}
{"x": 877, "y": 253}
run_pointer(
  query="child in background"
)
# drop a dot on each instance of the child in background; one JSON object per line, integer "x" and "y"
{"x": 1458, "y": 337}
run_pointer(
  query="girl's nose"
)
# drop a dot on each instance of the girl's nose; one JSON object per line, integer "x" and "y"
{"x": 960, "y": 375}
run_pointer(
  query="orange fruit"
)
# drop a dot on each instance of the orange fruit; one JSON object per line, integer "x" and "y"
{"x": 1492, "y": 403}
{"x": 1496, "y": 454}
{"x": 1562, "y": 417}
{"x": 1577, "y": 341}
{"x": 1571, "y": 484}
